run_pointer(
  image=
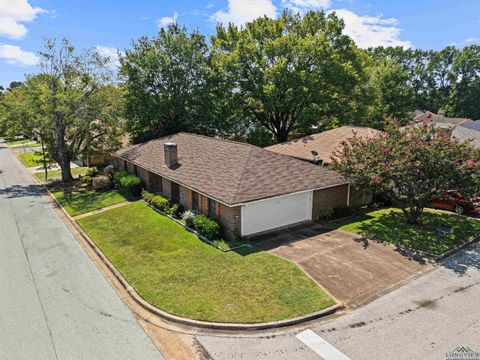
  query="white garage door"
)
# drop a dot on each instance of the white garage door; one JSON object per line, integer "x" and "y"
{"x": 273, "y": 213}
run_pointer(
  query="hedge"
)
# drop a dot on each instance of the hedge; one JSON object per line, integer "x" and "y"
{"x": 129, "y": 183}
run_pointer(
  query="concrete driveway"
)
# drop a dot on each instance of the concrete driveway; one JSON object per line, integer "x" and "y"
{"x": 353, "y": 271}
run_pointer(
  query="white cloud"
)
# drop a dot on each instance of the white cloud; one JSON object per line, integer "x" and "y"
{"x": 471, "y": 40}
{"x": 167, "y": 20}
{"x": 14, "y": 55}
{"x": 372, "y": 31}
{"x": 241, "y": 11}
{"x": 12, "y": 14}
{"x": 305, "y": 5}
{"x": 111, "y": 53}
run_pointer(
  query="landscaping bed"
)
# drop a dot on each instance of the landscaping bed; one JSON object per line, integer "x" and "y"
{"x": 388, "y": 225}
{"x": 176, "y": 272}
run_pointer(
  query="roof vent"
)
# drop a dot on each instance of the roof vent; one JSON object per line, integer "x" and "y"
{"x": 170, "y": 150}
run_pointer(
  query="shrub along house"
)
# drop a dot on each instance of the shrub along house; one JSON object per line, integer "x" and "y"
{"x": 248, "y": 189}
{"x": 319, "y": 149}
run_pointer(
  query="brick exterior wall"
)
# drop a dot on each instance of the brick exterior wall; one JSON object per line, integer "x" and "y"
{"x": 130, "y": 168}
{"x": 360, "y": 197}
{"x": 166, "y": 188}
{"x": 118, "y": 164}
{"x": 329, "y": 198}
{"x": 230, "y": 219}
{"x": 143, "y": 174}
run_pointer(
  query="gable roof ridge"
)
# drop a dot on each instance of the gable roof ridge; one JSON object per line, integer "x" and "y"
{"x": 217, "y": 139}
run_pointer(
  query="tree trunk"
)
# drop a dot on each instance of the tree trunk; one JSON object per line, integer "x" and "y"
{"x": 62, "y": 155}
{"x": 44, "y": 158}
{"x": 66, "y": 170}
{"x": 413, "y": 215}
{"x": 281, "y": 135}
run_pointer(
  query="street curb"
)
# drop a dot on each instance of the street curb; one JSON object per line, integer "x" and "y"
{"x": 173, "y": 318}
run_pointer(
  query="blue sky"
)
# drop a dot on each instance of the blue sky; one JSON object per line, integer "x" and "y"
{"x": 108, "y": 25}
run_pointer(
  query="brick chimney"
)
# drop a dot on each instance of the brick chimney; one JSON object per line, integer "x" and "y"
{"x": 170, "y": 150}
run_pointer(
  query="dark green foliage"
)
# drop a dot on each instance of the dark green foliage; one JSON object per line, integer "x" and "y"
{"x": 165, "y": 81}
{"x": 173, "y": 210}
{"x": 92, "y": 171}
{"x": 87, "y": 180}
{"x": 156, "y": 201}
{"x": 207, "y": 227}
{"x": 129, "y": 183}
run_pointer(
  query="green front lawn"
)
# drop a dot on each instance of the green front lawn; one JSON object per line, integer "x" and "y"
{"x": 31, "y": 158}
{"x": 389, "y": 225}
{"x": 78, "y": 199}
{"x": 55, "y": 175}
{"x": 175, "y": 271}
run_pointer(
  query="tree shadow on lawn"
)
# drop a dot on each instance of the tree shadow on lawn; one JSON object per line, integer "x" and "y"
{"x": 390, "y": 227}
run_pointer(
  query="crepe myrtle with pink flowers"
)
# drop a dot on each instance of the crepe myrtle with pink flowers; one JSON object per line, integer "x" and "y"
{"x": 410, "y": 164}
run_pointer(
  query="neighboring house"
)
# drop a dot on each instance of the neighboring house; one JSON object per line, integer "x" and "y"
{"x": 246, "y": 188}
{"x": 439, "y": 120}
{"x": 468, "y": 132}
{"x": 319, "y": 148}
{"x": 100, "y": 157}
{"x": 462, "y": 129}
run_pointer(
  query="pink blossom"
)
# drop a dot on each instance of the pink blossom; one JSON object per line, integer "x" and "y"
{"x": 377, "y": 180}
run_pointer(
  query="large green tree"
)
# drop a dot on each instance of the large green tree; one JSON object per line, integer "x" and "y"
{"x": 165, "y": 79}
{"x": 74, "y": 97}
{"x": 411, "y": 165}
{"x": 393, "y": 93}
{"x": 290, "y": 73}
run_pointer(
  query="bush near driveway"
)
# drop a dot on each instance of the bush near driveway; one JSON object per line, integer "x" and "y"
{"x": 389, "y": 225}
{"x": 78, "y": 199}
{"x": 175, "y": 271}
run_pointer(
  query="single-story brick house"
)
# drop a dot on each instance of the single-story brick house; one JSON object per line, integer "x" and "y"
{"x": 248, "y": 189}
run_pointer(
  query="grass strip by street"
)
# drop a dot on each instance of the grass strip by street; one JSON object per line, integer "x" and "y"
{"x": 18, "y": 141}
{"x": 388, "y": 225}
{"x": 77, "y": 199}
{"x": 27, "y": 145}
{"x": 176, "y": 272}
{"x": 31, "y": 158}
{"x": 55, "y": 175}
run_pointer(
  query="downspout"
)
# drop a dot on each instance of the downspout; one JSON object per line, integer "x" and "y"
{"x": 348, "y": 195}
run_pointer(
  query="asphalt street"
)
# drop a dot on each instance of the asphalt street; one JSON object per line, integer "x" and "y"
{"x": 54, "y": 302}
{"x": 424, "y": 319}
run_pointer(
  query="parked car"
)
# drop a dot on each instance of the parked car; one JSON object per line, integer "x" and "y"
{"x": 456, "y": 202}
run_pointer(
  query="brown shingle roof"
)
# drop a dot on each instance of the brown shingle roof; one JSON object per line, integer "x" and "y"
{"x": 324, "y": 143}
{"x": 228, "y": 171}
{"x": 430, "y": 117}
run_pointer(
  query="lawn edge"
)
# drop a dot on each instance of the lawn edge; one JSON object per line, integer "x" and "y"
{"x": 427, "y": 256}
{"x": 114, "y": 274}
